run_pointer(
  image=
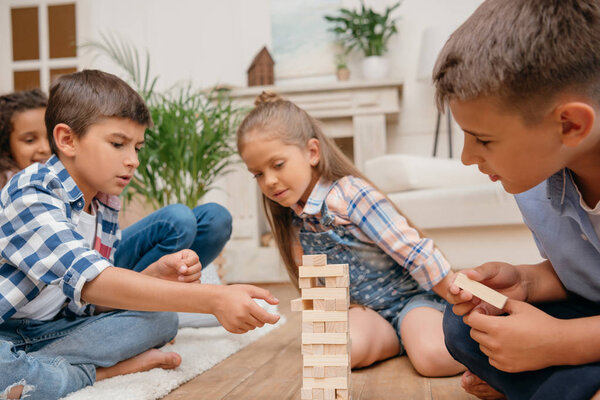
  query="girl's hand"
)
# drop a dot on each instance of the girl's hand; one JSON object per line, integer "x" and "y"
{"x": 524, "y": 340}
{"x": 182, "y": 266}
{"x": 237, "y": 311}
{"x": 503, "y": 277}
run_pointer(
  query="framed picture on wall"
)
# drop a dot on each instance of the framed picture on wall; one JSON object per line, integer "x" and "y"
{"x": 303, "y": 48}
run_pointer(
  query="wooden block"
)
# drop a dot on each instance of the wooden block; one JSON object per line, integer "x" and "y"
{"x": 324, "y": 293}
{"x": 341, "y": 303}
{"x": 306, "y": 271}
{"x": 318, "y": 327}
{"x": 313, "y": 349}
{"x": 307, "y": 327}
{"x": 336, "y": 349}
{"x": 319, "y": 304}
{"x": 336, "y": 327}
{"x": 341, "y": 360}
{"x": 330, "y": 304}
{"x": 318, "y": 371}
{"x": 317, "y": 394}
{"x": 329, "y": 394}
{"x": 304, "y": 283}
{"x": 325, "y": 338}
{"x": 327, "y": 316}
{"x": 337, "y": 281}
{"x": 341, "y": 394}
{"x": 314, "y": 259}
{"x": 307, "y": 372}
{"x": 306, "y": 394}
{"x": 331, "y": 372}
{"x": 326, "y": 383}
{"x": 485, "y": 293}
{"x": 296, "y": 304}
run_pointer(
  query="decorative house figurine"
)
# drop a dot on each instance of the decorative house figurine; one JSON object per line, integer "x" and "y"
{"x": 261, "y": 70}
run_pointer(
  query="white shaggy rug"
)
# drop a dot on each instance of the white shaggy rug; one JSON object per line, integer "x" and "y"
{"x": 200, "y": 349}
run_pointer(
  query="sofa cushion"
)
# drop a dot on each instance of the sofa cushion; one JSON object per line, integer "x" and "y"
{"x": 470, "y": 205}
{"x": 398, "y": 172}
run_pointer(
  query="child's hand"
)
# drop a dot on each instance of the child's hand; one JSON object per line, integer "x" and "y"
{"x": 449, "y": 291}
{"x": 237, "y": 311}
{"x": 183, "y": 266}
{"x": 503, "y": 277}
{"x": 525, "y": 340}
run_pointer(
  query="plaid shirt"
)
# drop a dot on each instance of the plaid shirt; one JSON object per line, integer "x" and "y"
{"x": 39, "y": 210}
{"x": 371, "y": 218}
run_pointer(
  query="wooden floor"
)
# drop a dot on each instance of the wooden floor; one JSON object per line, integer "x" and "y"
{"x": 271, "y": 368}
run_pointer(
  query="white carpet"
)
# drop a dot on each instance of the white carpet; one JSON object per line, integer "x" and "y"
{"x": 200, "y": 349}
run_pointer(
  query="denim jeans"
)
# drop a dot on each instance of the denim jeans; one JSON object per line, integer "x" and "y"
{"x": 205, "y": 229}
{"x": 54, "y": 358}
{"x": 561, "y": 382}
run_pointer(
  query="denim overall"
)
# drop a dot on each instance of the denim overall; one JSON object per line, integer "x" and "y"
{"x": 377, "y": 281}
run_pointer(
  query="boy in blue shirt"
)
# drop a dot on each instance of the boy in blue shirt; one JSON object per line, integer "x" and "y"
{"x": 522, "y": 79}
{"x": 58, "y": 234}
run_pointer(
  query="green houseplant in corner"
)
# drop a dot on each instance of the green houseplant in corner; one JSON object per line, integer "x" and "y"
{"x": 191, "y": 142}
{"x": 368, "y": 32}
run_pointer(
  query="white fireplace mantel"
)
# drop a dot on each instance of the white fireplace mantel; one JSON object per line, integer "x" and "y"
{"x": 361, "y": 110}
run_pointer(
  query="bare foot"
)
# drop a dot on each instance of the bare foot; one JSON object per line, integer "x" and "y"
{"x": 474, "y": 385}
{"x": 148, "y": 360}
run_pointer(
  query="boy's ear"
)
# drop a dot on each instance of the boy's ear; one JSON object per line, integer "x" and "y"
{"x": 314, "y": 151}
{"x": 577, "y": 120}
{"x": 64, "y": 139}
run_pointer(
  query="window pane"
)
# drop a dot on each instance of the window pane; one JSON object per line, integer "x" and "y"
{"x": 25, "y": 37}
{"x": 61, "y": 29}
{"x": 55, "y": 73}
{"x": 25, "y": 80}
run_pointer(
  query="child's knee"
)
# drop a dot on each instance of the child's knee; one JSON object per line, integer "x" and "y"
{"x": 429, "y": 360}
{"x": 164, "y": 326}
{"x": 182, "y": 220}
{"x": 220, "y": 219}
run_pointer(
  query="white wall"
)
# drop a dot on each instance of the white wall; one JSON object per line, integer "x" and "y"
{"x": 213, "y": 42}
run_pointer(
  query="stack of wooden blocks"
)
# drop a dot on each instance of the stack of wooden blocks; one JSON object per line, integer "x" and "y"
{"x": 325, "y": 331}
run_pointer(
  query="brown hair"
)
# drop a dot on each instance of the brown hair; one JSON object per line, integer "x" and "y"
{"x": 276, "y": 116}
{"x": 523, "y": 51}
{"x": 11, "y": 104}
{"x": 83, "y": 98}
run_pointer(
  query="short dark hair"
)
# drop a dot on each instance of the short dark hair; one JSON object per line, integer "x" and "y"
{"x": 11, "y": 104}
{"x": 84, "y": 98}
{"x": 523, "y": 51}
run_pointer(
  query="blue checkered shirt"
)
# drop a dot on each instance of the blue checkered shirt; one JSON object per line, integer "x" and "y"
{"x": 39, "y": 246}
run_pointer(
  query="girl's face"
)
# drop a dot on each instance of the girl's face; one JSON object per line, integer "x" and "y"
{"x": 284, "y": 172}
{"x": 28, "y": 140}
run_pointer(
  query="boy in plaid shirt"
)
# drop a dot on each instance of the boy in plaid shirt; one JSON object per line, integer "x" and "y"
{"x": 60, "y": 329}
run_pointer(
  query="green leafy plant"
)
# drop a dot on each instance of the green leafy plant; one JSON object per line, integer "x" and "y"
{"x": 191, "y": 142}
{"x": 340, "y": 61}
{"x": 364, "y": 29}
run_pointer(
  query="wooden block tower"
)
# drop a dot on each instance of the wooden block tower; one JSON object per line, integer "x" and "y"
{"x": 325, "y": 332}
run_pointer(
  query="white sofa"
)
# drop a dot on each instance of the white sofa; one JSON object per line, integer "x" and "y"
{"x": 471, "y": 219}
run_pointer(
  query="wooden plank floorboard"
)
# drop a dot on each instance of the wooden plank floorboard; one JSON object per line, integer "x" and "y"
{"x": 271, "y": 369}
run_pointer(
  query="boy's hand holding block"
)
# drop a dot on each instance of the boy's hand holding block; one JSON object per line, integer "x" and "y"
{"x": 485, "y": 293}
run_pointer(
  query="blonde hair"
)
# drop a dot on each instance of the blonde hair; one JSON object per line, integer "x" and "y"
{"x": 283, "y": 119}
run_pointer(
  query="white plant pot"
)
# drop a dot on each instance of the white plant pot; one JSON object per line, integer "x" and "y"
{"x": 375, "y": 67}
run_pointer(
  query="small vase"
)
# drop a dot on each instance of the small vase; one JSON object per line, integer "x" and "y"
{"x": 375, "y": 67}
{"x": 343, "y": 74}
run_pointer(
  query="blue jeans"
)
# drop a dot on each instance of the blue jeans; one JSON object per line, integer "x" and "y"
{"x": 54, "y": 358}
{"x": 561, "y": 382}
{"x": 205, "y": 229}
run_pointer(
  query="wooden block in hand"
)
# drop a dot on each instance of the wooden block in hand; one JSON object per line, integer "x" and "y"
{"x": 485, "y": 293}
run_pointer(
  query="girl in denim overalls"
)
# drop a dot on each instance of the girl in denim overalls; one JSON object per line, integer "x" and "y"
{"x": 316, "y": 198}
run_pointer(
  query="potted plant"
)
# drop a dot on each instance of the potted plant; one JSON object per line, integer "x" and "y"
{"x": 367, "y": 31}
{"x": 191, "y": 142}
{"x": 341, "y": 65}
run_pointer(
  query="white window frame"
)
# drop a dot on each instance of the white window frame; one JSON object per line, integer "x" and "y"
{"x": 44, "y": 64}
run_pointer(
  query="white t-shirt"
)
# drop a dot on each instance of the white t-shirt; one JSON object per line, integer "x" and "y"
{"x": 51, "y": 298}
{"x": 593, "y": 213}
